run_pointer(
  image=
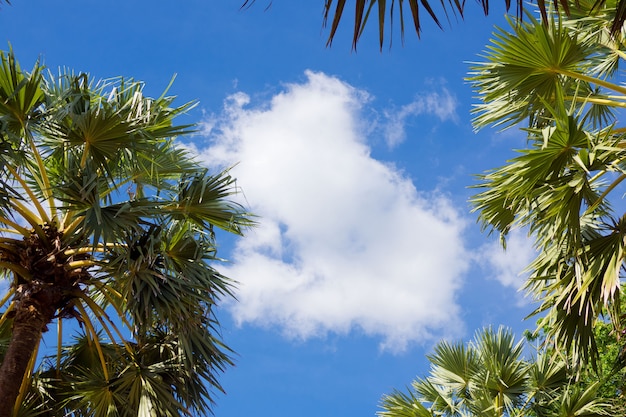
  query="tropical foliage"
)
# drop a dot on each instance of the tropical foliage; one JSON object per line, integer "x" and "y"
{"x": 335, "y": 10}
{"x": 559, "y": 79}
{"x": 108, "y": 224}
{"x": 562, "y": 79}
{"x": 610, "y": 368}
{"x": 488, "y": 377}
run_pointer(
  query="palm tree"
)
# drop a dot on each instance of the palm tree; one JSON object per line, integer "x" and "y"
{"x": 489, "y": 378}
{"x": 562, "y": 79}
{"x": 106, "y": 222}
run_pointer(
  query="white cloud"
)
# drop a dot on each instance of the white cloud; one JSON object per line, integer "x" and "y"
{"x": 345, "y": 242}
{"x": 508, "y": 266}
{"x": 441, "y": 104}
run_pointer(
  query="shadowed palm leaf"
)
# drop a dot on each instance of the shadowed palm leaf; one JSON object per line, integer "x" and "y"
{"x": 104, "y": 221}
{"x": 387, "y": 11}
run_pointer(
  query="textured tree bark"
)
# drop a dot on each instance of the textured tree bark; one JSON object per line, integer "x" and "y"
{"x": 28, "y": 326}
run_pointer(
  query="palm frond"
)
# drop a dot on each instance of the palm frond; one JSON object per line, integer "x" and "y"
{"x": 335, "y": 10}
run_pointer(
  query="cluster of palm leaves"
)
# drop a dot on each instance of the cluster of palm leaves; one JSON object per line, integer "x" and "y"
{"x": 335, "y": 10}
{"x": 562, "y": 79}
{"x": 106, "y": 236}
{"x": 559, "y": 79}
{"x": 489, "y": 378}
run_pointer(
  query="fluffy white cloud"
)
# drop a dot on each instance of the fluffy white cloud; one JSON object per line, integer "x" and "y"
{"x": 508, "y": 266}
{"x": 441, "y": 104}
{"x": 345, "y": 242}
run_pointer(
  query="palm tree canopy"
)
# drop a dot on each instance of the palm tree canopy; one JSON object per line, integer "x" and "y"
{"x": 488, "y": 377}
{"x": 562, "y": 79}
{"x": 107, "y": 222}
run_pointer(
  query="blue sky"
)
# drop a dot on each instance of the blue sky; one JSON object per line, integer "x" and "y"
{"x": 357, "y": 163}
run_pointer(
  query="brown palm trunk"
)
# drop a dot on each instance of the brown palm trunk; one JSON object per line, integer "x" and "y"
{"x": 28, "y": 326}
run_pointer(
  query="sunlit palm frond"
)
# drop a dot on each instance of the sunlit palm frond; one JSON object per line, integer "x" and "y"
{"x": 547, "y": 375}
{"x": 502, "y": 372}
{"x": 400, "y": 404}
{"x": 453, "y": 366}
{"x": 565, "y": 185}
{"x": 582, "y": 402}
{"x": 202, "y": 199}
{"x": 524, "y": 69}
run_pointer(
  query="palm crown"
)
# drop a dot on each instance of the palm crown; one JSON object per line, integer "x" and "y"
{"x": 489, "y": 377}
{"x": 107, "y": 222}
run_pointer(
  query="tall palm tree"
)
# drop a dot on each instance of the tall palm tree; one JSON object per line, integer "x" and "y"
{"x": 489, "y": 378}
{"x": 562, "y": 80}
{"x": 106, "y": 222}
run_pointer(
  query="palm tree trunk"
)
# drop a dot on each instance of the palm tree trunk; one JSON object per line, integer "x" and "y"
{"x": 28, "y": 326}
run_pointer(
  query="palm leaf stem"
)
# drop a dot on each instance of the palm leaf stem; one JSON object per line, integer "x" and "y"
{"x": 9, "y": 240}
{"x": 589, "y": 79}
{"x": 86, "y": 263}
{"x": 34, "y": 200}
{"x": 619, "y": 52}
{"x": 104, "y": 290}
{"x": 17, "y": 269}
{"x": 100, "y": 313}
{"x": 17, "y": 229}
{"x": 604, "y": 194}
{"x": 11, "y": 231}
{"x": 104, "y": 319}
{"x": 6, "y": 297}
{"x": 46, "y": 189}
{"x": 6, "y": 313}
{"x": 83, "y": 160}
{"x": 25, "y": 386}
{"x": 100, "y": 247}
{"x": 8, "y": 247}
{"x": 59, "y": 344}
{"x": 93, "y": 336}
{"x": 69, "y": 228}
{"x": 30, "y": 217}
{"x": 600, "y": 101}
{"x": 598, "y": 175}
{"x": 617, "y": 97}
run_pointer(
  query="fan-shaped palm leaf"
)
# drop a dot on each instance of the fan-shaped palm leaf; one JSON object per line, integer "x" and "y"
{"x": 489, "y": 378}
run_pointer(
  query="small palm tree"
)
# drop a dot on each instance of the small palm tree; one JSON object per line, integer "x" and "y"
{"x": 107, "y": 223}
{"x": 489, "y": 378}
